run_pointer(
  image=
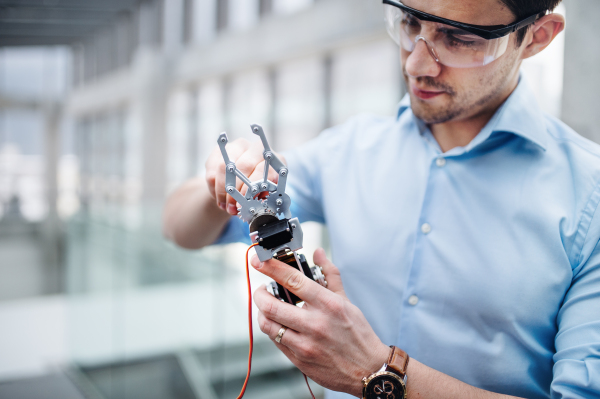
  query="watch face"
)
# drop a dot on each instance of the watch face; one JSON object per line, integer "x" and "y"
{"x": 384, "y": 387}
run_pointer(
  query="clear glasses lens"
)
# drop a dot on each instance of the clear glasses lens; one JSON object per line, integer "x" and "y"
{"x": 450, "y": 46}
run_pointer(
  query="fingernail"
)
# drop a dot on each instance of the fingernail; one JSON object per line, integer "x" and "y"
{"x": 257, "y": 264}
{"x": 223, "y": 206}
{"x": 232, "y": 209}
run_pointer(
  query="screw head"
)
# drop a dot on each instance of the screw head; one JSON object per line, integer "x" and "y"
{"x": 254, "y": 189}
{"x": 279, "y": 201}
{"x": 230, "y": 169}
{"x": 264, "y": 186}
{"x": 230, "y": 189}
{"x": 252, "y": 211}
{"x": 255, "y": 129}
{"x": 283, "y": 172}
{"x": 222, "y": 139}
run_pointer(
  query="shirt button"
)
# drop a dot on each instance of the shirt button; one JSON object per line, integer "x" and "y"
{"x": 413, "y": 300}
{"x": 440, "y": 162}
{"x": 425, "y": 228}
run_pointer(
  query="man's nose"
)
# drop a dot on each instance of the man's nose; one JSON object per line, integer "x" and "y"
{"x": 420, "y": 61}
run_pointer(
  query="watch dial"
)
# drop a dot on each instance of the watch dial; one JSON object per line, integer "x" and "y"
{"x": 384, "y": 387}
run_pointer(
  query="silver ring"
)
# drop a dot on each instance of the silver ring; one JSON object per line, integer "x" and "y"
{"x": 280, "y": 334}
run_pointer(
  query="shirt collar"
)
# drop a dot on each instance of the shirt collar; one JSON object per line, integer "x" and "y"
{"x": 519, "y": 115}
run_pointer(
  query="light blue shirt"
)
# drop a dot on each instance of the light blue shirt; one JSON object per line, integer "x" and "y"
{"x": 481, "y": 262}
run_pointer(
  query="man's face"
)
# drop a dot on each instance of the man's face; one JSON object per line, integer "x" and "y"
{"x": 439, "y": 93}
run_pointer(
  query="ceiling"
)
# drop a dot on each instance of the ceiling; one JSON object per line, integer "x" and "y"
{"x": 56, "y": 22}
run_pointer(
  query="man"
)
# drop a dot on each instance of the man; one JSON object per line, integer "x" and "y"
{"x": 465, "y": 229}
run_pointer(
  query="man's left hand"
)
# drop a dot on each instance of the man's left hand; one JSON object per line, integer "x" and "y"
{"x": 328, "y": 339}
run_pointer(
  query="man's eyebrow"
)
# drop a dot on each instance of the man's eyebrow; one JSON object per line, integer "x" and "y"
{"x": 444, "y": 29}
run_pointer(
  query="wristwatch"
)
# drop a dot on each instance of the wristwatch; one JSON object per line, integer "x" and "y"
{"x": 390, "y": 381}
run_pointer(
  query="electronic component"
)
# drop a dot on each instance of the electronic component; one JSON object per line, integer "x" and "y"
{"x": 265, "y": 207}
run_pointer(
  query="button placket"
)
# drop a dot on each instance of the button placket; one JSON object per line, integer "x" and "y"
{"x": 414, "y": 280}
{"x": 413, "y": 300}
{"x": 425, "y": 228}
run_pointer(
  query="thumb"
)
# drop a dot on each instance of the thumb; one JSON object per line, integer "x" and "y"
{"x": 331, "y": 272}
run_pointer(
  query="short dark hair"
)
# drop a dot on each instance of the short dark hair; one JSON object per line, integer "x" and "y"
{"x": 524, "y": 8}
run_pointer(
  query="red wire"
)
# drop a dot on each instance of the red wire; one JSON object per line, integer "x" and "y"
{"x": 243, "y": 391}
{"x": 310, "y": 390}
{"x": 249, "y": 323}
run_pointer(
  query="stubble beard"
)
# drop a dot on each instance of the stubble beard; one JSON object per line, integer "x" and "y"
{"x": 461, "y": 104}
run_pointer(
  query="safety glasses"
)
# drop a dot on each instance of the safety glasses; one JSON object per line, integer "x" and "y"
{"x": 451, "y": 43}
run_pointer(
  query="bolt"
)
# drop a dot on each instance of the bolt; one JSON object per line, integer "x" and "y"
{"x": 230, "y": 169}
{"x": 256, "y": 129}
{"x": 261, "y": 240}
{"x": 264, "y": 186}
{"x": 223, "y": 139}
{"x": 254, "y": 189}
{"x": 252, "y": 211}
{"x": 293, "y": 226}
{"x": 279, "y": 201}
{"x": 230, "y": 189}
{"x": 288, "y": 229}
{"x": 283, "y": 172}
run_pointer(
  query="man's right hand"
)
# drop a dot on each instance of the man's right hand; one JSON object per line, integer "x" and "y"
{"x": 248, "y": 158}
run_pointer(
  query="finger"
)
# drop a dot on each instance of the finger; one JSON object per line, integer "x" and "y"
{"x": 246, "y": 163}
{"x": 294, "y": 280}
{"x": 212, "y": 165}
{"x": 219, "y": 186}
{"x": 215, "y": 168}
{"x": 331, "y": 272}
{"x": 289, "y": 339}
{"x": 251, "y": 163}
{"x": 258, "y": 175}
{"x": 280, "y": 312}
{"x": 272, "y": 329}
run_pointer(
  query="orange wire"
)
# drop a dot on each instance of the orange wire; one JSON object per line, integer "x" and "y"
{"x": 249, "y": 323}
{"x": 243, "y": 391}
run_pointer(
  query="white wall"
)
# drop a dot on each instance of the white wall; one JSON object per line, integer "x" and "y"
{"x": 210, "y": 119}
{"x": 366, "y": 78}
{"x": 243, "y": 14}
{"x": 300, "y": 101}
{"x": 203, "y": 21}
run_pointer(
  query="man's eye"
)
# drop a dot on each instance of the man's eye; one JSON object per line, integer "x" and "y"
{"x": 454, "y": 41}
{"x": 409, "y": 21}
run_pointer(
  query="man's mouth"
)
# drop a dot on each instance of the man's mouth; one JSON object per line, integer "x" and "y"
{"x": 425, "y": 94}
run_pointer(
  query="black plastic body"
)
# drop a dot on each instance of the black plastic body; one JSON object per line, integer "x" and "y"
{"x": 289, "y": 259}
{"x": 274, "y": 234}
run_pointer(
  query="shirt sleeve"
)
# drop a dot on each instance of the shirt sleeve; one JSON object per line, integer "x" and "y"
{"x": 236, "y": 230}
{"x": 577, "y": 359}
{"x": 304, "y": 181}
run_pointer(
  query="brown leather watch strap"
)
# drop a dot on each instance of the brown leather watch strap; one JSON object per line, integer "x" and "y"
{"x": 397, "y": 362}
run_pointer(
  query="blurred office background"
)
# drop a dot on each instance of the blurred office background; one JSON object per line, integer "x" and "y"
{"x": 106, "y": 106}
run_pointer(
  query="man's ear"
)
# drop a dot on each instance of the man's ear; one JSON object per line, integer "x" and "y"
{"x": 541, "y": 34}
